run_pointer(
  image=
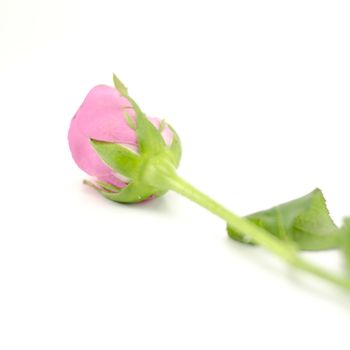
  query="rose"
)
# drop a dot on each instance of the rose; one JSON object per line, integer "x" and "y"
{"x": 134, "y": 157}
{"x": 108, "y": 116}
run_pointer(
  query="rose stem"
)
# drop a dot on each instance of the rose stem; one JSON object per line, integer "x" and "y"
{"x": 165, "y": 175}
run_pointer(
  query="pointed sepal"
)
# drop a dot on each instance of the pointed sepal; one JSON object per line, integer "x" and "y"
{"x": 123, "y": 90}
{"x": 175, "y": 149}
{"x": 149, "y": 138}
{"x": 119, "y": 158}
{"x": 134, "y": 192}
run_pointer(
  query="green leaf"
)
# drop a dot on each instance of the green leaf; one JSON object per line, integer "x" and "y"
{"x": 120, "y": 86}
{"x": 345, "y": 243}
{"x": 237, "y": 236}
{"x": 119, "y": 158}
{"x": 304, "y": 221}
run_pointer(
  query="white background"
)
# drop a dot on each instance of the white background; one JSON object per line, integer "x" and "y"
{"x": 258, "y": 91}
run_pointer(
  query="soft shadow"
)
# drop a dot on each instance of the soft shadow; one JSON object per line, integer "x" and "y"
{"x": 296, "y": 278}
{"x": 161, "y": 205}
{"x": 321, "y": 289}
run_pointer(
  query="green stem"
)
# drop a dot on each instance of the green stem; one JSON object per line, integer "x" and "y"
{"x": 163, "y": 175}
{"x": 286, "y": 251}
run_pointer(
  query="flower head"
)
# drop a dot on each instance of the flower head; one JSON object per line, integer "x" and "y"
{"x": 110, "y": 138}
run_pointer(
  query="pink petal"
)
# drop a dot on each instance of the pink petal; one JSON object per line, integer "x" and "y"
{"x": 101, "y": 116}
{"x": 87, "y": 159}
{"x": 167, "y": 134}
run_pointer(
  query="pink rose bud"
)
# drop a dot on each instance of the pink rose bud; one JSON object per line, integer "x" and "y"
{"x": 110, "y": 138}
{"x": 133, "y": 157}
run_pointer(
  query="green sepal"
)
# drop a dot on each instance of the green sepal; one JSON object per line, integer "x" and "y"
{"x": 108, "y": 187}
{"x": 175, "y": 149}
{"x": 162, "y": 125}
{"x": 149, "y": 139}
{"x": 129, "y": 121}
{"x": 134, "y": 192}
{"x": 345, "y": 243}
{"x": 304, "y": 221}
{"x": 119, "y": 158}
{"x": 102, "y": 186}
{"x": 123, "y": 90}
